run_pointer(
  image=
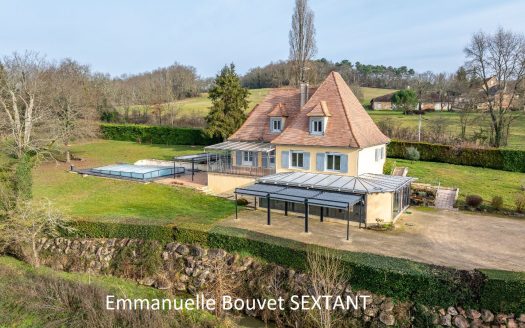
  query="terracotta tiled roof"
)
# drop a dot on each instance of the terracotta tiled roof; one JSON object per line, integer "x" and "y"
{"x": 257, "y": 127}
{"x": 349, "y": 126}
{"x": 278, "y": 110}
{"x": 321, "y": 109}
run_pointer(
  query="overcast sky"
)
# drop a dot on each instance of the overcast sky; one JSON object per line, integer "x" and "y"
{"x": 134, "y": 36}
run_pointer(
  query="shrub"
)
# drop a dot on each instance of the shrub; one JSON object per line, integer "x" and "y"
{"x": 494, "y": 158}
{"x": 497, "y": 202}
{"x": 242, "y": 202}
{"x": 519, "y": 201}
{"x": 412, "y": 154}
{"x": 474, "y": 201}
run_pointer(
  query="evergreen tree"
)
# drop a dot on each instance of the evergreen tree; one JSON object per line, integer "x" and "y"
{"x": 229, "y": 103}
{"x": 405, "y": 99}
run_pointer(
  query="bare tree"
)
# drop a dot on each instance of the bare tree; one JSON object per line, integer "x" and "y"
{"x": 72, "y": 113}
{"x": 30, "y": 222}
{"x": 302, "y": 38}
{"x": 224, "y": 283}
{"x": 500, "y": 56}
{"x": 23, "y": 103}
{"x": 327, "y": 278}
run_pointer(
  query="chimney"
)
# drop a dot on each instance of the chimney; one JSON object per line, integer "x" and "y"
{"x": 304, "y": 93}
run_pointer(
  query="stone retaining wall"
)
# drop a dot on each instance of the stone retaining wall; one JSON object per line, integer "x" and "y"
{"x": 191, "y": 269}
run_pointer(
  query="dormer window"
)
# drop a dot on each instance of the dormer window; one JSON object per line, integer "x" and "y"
{"x": 276, "y": 124}
{"x": 317, "y": 126}
{"x": 319, "y": 118}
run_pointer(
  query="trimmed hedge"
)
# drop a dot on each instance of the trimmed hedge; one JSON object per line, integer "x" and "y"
{"x": 494, "y": 158}
{"x": 398, "y": 278}
{"x": 90, "y": 229}
{"x": 503, "y": 291}
{"x": 164, "y": 135}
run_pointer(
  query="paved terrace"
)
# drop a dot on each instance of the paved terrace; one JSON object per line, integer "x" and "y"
{"x": 450, "y": 238}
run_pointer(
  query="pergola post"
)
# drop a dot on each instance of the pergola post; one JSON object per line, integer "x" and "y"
{"x": 236, "y": 211}
{"x": 285, "y": 208}
{"x": 306, "y": 215}
{"x": 255, "y": 202}
{"x": 268, "y": 209}
{"x": 361, "y": 204}
{"x": 192, "y": 168}
{"x": 322, "y": 213}
{"x": 347, "y": 223}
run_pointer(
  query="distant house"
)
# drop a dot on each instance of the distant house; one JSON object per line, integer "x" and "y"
{"x": 431, "y": 102}
{"x": 383, "y": 102}
{"x": 494, "y": 93}
{"x": 314, "y": 146}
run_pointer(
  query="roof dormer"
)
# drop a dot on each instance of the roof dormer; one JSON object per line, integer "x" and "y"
{"x": 318, "y": 118}
{"x": 277, "y": 118}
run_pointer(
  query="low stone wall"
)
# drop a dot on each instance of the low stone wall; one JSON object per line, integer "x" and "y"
{"x": 191, "y": 269}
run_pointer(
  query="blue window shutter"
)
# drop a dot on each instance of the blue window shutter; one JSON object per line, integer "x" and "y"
{"x": 255, "y": 158}
{"x": 264, "y": 159}
{"x": 306, "y": 161}
{"x": 320, "y": 161}
{"x": 344, "y": 163}
{"x": 285, "y": 159}
{"x": 238, "y": 157}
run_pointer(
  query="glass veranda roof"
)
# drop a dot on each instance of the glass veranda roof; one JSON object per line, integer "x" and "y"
{"x": 242, "y": 145}
{"x": 300, "y": 195}
{"x": 365, "y": 183}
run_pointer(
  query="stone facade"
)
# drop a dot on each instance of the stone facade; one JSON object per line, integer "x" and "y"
{"x": 191, "y": 269}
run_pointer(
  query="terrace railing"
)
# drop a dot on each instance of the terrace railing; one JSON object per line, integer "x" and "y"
{"x": 228, "y": 168}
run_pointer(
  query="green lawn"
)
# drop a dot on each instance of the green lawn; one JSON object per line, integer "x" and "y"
{"x": 470, "y": 180}
{"x": 517, "y": 132}
{"x": 24, "y": 304}
{"x": 108, "y": 200}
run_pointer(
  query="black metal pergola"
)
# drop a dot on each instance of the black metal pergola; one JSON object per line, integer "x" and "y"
{"x": 201, "y": 158}
{"x": 306, "y": 196}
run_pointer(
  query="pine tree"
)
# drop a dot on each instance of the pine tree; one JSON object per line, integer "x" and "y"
{"x": 229, "y": 103}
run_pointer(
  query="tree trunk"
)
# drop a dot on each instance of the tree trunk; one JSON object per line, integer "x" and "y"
{"x": 36, "y": 257}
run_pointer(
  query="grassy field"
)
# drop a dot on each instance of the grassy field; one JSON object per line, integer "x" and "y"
{"x": 109, "y": 200}
{"x": 26, "y": 302}
{"x": 199, "y": 106}
{"x": 451, "y": 120}
{"x": 369, "y": 93}
{"x": 470, "y": 180}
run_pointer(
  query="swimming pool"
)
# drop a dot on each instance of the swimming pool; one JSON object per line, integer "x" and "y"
{"x": 139, "y": 172}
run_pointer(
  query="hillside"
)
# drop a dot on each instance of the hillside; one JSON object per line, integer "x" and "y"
{"x": 199, "y": 106}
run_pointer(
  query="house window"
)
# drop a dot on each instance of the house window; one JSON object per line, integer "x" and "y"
{"x": 247, "y": 158}
{"x": 297, "y": 159}
{"x": 316, "y": 126}
{"x": 333, "y": 162}
{"x": 276, "y": 124}
{"x": 380, "y": 154}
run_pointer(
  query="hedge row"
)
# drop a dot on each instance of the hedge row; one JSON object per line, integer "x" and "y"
{"x": 163, "y": 135}
{"x": 500, "y": 159}
{"x": 399, "y": 278}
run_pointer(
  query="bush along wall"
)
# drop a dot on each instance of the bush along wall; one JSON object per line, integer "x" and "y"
{"x": 404, "y": 280}
{"x": 500, "y": 159}
{"x": 164, "y": 135}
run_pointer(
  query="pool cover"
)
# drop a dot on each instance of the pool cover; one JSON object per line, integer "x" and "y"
{"x": 139, "y": 172}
